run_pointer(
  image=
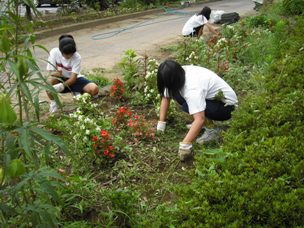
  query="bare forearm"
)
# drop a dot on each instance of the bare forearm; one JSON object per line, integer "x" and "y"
{"x": 55, "y": 73}
{"x": 194, "y": 131}
{"x": 70, "y": 82}
{"x": 164, "y": 106}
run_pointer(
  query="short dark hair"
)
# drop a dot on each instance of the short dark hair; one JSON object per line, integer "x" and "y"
{"x": 206, "y": 11}
{"x": 67, "y": 44}
{"x": 170, "y": 75}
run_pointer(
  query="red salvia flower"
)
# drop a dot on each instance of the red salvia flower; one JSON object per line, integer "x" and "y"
{"x": 110, "y": 147}
{"x": 95, "y": 138}
{"x": 122, "y": 109}
{"x": 117, "y": 90}
{"x": 104, "y": 134}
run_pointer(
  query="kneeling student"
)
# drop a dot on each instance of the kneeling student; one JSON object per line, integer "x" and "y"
{"x": 195, "y": 24}
{"x": 196, "y": 89}
{"x": 64, "y": 67}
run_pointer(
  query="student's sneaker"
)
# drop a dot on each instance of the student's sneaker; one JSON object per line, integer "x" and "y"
{"x": 209, "y": 135}
{"x": 53, "y": 107}
{"x": 76, "y": 94}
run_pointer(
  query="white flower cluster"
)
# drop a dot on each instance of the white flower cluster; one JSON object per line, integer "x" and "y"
{"x": 150, "y": 74}
{"x": 192, "y": 58}
{"x": 83, "y": 126}
{"x": 84, "y": 101}
{"x": 149, "y": 90}
{"x": 221, "y": 43}
{"x": 231, "y": 27}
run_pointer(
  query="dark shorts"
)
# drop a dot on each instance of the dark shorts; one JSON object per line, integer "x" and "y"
{"x": 195, "y": 33}
{"x": 78, "y": 86}
{"x": 215, "y": 110}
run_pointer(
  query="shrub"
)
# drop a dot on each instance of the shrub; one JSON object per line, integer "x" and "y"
{"x": 258, "y": 180}
{"x": 293, "y": 7}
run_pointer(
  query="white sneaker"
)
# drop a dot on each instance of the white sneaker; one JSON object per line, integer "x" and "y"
{"x": 76, "y": 94}
{"x": 209, "y": 135}
{"x": 53, "y": 107}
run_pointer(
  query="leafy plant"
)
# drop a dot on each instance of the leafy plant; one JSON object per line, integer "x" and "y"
{"x": 130, "y": 67}
{"x": 293, "y": 7}
{"x": 28, "y": 188}
{"x": 96, "y": 75}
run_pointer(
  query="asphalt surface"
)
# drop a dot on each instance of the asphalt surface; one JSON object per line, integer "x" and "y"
{"x": 103, "y": 45}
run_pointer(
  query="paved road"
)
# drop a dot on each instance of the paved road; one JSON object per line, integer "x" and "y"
{"x": 103, "y": 46}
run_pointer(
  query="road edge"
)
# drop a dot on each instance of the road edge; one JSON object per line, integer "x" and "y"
{"x": 67, "y": 29}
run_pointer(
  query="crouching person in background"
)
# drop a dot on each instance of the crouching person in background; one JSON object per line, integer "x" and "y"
{"x": 195, "y": 24}
{"x": 196, "y": 89}
{"x": 64, "y": 65}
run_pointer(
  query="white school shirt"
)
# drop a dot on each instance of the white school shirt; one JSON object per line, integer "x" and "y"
{"x": 56, "y": 61}
{"x": 193, "y": 22}
{"x": 202, "y": 84}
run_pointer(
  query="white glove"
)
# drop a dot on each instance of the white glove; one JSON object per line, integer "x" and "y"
{"x": 58, "y": 87}
{"x": 184, "y": 151}
{"x": 161, "y": 126}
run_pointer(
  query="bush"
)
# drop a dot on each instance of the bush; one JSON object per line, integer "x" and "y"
{"x": 258, "y": 180}
{"x": 293, "y": 7}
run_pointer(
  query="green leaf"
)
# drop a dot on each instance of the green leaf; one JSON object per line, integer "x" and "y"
{"x": 4, "y": 44}
{"x": 1, "y": 175}
{"x": 41, "y": 47}
{"x": 214, "y": 152}
{"x": 47, "y": 172}
{"x": 16, "y": 168}
{"x": 24, "y": 140}
{"x": 49, "y": 137}
{"x": 36, "y": 107}
{"x": 25, "y": 90}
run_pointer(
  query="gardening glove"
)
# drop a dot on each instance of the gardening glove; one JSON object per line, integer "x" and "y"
{"x": 58, "y": 87}
{"x": 185, "y": 151}
{"x": 161, "y": 126}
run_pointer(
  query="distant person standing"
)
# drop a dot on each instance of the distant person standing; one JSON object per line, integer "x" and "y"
{"x": 195, "y": 24}
{"x": 64, "y": 67}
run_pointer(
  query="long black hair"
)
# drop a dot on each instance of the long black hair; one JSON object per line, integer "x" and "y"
{"x": 170, "y": 75}
{"x": 67, "y": 44}
{"x": 206, "y": 11}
